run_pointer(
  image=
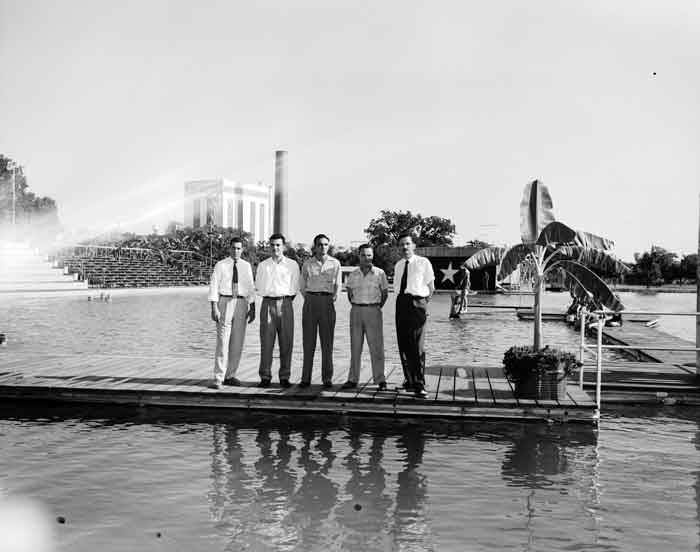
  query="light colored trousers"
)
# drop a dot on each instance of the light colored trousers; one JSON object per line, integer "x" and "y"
{"x": 366, "y": 321}
{"x": 230, "y": 334}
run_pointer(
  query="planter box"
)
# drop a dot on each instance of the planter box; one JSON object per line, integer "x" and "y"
{"x": 549, "y": 385}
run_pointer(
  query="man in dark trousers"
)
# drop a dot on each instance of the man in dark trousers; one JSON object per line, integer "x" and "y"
{"x": 320, "y": 283}
{"x": 414, "y": 283}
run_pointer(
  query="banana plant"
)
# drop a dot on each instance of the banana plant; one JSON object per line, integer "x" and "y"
{"x": 548, "y": 246}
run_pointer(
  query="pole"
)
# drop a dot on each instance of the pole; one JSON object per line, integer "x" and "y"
{"x": 582, "y": 318}
{"x": 599, "y": 361}
{"x": 697, "y": 303}
{"x": 14, "y": 196}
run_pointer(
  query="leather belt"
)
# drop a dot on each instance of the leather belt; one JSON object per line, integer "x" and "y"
{"x": 365, "y": 304}
{"x": 412, "y": 296}
{"x": 232, "y": 296}
{"x": 319, "y": 293}
{"x": 272, "y": 298}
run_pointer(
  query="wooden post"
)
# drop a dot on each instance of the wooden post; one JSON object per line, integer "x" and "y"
{"x": 697, "y": 304}
{"x": 582, "y": 317}
{"x": 599, "y": 361}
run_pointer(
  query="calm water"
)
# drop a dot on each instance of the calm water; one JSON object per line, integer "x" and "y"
{"x": 261, "y": 482}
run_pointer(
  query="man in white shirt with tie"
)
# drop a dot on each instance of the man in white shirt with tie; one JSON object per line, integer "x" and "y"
{"x": 277, "y": 281}
{"x": 414, "y": 282}
{"x": 232, "y": 298}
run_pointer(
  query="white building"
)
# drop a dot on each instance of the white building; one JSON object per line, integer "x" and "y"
{"x": 230, "y": 204}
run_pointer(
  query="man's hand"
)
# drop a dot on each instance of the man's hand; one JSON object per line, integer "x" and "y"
{"x": 215, "y": 314}
{"x": 251, "y": 313}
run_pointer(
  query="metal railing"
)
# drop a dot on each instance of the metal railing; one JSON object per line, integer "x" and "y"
{"x": 599, "y": 323}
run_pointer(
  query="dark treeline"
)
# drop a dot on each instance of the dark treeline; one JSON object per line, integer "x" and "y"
{"x": 659, "y": 266}
{"x": 210, "y": 243}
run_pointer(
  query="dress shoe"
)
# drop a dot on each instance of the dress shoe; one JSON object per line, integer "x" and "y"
{"x": 234, "y": 382}
{"x": 421, "y": 394}
{"x": 214, "y": 385}
{"x": 264, "y": 383}
{"x": 285, "y": 383}
{"x": 382, "y": 386}
{"x": 327, "y": 385}
{"x": 304, "y": 384}
{"x": 349, "y": 385}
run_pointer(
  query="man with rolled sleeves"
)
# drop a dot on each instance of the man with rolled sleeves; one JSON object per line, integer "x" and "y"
{"x": 277, "y": 281}
{"x": 232, "y": 298}
{"x": 368, "y": 290}
{"x": 416, "y": 284}
{"x": 319, "y": 284}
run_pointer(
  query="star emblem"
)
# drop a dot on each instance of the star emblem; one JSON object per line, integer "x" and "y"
{"x": 448, "y": 273}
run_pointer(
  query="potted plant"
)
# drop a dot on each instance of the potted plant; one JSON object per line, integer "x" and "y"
{"x": 539, "y": 374}
{"x": 548, "y": 247}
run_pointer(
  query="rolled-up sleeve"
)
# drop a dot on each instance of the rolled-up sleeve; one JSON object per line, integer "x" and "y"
{"x": 338, "y": 279}
{"x": 251, "y": 286}
{"x": 383, "y": 282}
{"x": 260, "y": 279}
{"x": 214, "y": 285}
{"x": 295, "y": 277}
{"x": 429, "y": 273}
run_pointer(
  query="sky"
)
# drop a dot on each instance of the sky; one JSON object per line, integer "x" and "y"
{"x": 441, "y": 108}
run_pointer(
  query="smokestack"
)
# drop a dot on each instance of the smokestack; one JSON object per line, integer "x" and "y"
{"x": 280, "y": 220}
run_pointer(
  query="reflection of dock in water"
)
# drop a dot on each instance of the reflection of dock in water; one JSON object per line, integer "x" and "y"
{"x": 455, "y": 392}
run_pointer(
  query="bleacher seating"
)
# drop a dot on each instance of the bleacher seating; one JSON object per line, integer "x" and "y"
{"x": 126, "y": 272}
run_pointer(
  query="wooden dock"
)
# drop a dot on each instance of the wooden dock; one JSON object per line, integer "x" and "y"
{"x": 455, "y": 392}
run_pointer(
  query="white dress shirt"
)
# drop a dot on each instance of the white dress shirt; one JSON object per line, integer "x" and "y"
{"x": 277, "y": 279}
{"x": 420, "y": 275}
{"x": 221, "y": 282}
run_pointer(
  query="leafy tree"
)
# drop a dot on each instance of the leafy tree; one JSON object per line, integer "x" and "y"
{"x": 689, "y": 266}
{"x": 656, "y": 266}
{"x": 427, "y": 231}
{"x": 29, "y": 208}
{"x": 548, "y": 246}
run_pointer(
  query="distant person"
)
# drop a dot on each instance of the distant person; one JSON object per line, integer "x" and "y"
{"x": 232, "y": 298}
{"x": 319, "y": 284}
{"x": 416, "y": 287}
{"x": 277, "y": 281}
{"x": 486, "y": 280}
{"x": 459, "y": 295}
{"x": 368, "y": 290}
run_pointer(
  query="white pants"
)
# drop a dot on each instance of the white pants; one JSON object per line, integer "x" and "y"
{"x": 230, "y": 335}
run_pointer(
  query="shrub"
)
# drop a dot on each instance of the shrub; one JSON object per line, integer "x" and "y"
{"x": 520, "y": 361}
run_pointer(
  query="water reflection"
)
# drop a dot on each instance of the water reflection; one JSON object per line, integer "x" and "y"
{"x": 697, "y": 479}
{"x": 307, "y": 483}
{"x": 363, "y": 513}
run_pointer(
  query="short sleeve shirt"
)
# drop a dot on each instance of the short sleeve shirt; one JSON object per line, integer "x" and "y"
{"x": 367, "y": 288}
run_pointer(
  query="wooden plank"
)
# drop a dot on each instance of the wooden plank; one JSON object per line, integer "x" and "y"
{"x": 482, "y": 389}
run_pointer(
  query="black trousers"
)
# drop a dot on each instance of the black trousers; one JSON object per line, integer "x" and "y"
{"x": 411, "y": 315}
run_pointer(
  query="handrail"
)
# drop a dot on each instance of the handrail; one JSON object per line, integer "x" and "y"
{"x": 599, "y": 324}
{"x": 645, "y": 348}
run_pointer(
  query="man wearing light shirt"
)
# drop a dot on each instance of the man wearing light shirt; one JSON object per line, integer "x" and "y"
{"x": 232, "y": 298}
{"x": 320, "y": 283}
{"x": 368, "y": 290}
{"x": 277, "y": 281}
{"x": 414, "y": 282}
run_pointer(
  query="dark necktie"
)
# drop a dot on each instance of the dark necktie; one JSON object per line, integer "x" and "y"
{"x": 235, "y": 272}
{"x": 404, "y": 279}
